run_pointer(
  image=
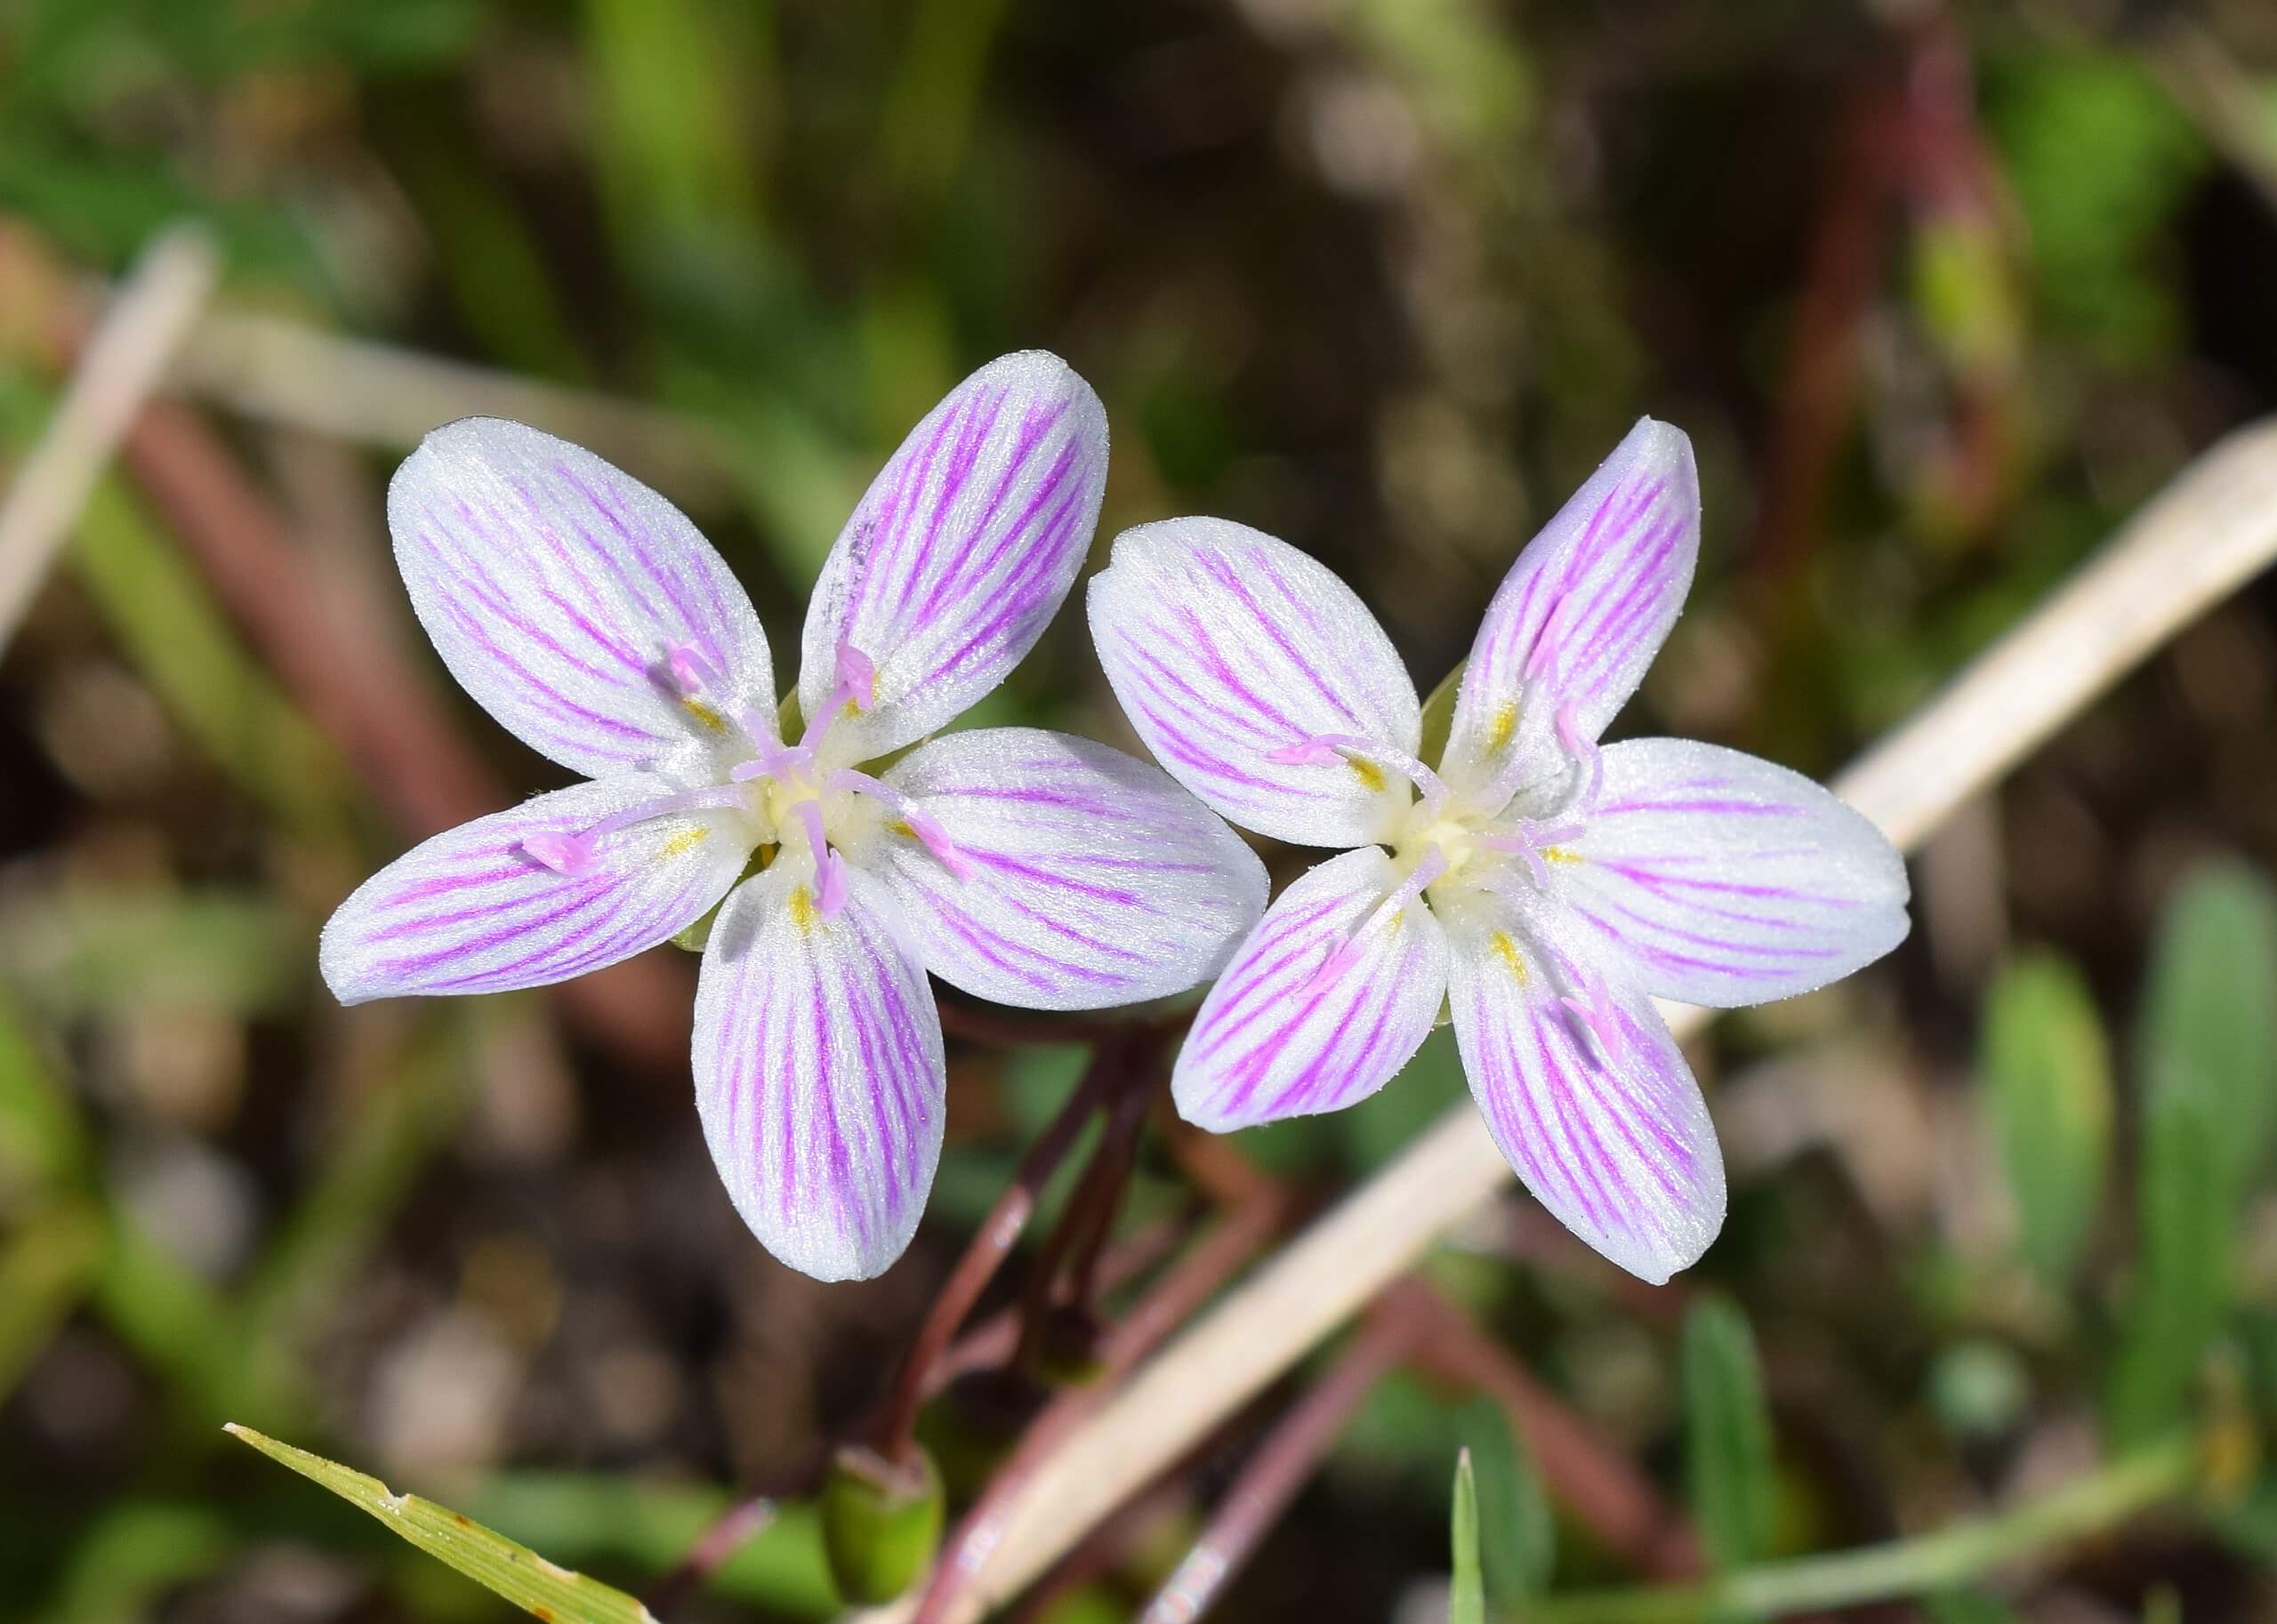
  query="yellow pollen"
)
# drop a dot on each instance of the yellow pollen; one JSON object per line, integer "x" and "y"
{"x": 803, "y": 912}
{"x": 686, "y": 840}
{"x": 1506, "y": 951}
{"x": 900, "y": 826}
{"x": 704, "y": 714}
{"x": 1559, "y": 854}
{"x": 1505, "y": 724}
{"x": 1368, "y": 774}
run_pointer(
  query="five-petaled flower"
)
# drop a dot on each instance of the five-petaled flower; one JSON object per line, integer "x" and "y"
{"x": 1543, "y": 887}
{"x": 589, "y": 618}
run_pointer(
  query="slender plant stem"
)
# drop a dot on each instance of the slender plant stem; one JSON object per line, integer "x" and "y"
{"x": 1272, "y": 1476}
{"x": 2100, "y": 1501}
{"x": 999, "y": 1232}
{"x": 1090, "y": 1210}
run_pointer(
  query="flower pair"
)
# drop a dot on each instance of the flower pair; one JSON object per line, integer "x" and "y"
{"x": 1540, "y": 888}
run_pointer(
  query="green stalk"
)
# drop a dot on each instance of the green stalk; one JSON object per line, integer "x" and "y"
{"x": 2102, "y": 1500}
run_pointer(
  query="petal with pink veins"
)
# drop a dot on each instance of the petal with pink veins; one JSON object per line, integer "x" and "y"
{"x": 1087, "y": 878}
{"x": 819, "y": 1072}
{"x": 563, "y": 594}
{"x": 485, "y": 907}
{"x": 1311, "y": 1016}
{"x": 959, "y": 555}
{"x": 1584, "y": 1088}
{"x": 1580, "y": 617}
{"x": 1232, "y": 653}
{"x": 1726, "y": 881}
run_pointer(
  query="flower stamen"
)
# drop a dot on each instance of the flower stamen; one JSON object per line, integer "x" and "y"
{"x": 1323, "y": 748}
{"x": 1600, "y": 1017}
{"x": 572, "y": 855}
{"x": 921, "y": 823}
{"x": 830, "y": 868}
{"x": 1341, "y": 958}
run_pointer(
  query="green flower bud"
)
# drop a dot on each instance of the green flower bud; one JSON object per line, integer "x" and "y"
{"x": 880, "y": 1524}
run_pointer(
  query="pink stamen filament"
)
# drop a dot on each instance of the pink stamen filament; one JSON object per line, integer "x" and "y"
{"x": 1528, "y": 842}
{"x": 1428, "y": 868}
{"x": 857, "y": 685}
{"x": 1323, "y": 748}
{"x": 921, "y": 824}
{"x": 573, "y": 854}
{"x": 830, "y": 868}
{"x": 697, "y": 680}
{"x": 1584, "y": 751}
{"x": 1601, "y": 1017}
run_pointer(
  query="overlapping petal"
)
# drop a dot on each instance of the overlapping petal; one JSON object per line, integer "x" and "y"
{"x": 1591, "y": 1100}
{"x": 1277, "y": 1038}
{"x": 1726, "y": 881}
{"x": 556, "y": 589}
{"x": 1581, "y": 615}
{"x": 1091, "y": 878}
{"x": 961, "y": 552}
{"x": 819, "y": 1073}
{"x": 1226, "y": 648}
{"x": 471, "y": 911}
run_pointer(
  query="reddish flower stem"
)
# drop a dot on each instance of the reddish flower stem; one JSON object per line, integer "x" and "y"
{"x": 1279, "y": 1467}
{"x": 1083, "y": 1228}
{"x": 1174, "y": 1299}
{"x": 895, "y": 1434}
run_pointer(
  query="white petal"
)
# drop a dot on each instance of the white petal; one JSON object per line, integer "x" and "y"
{"x": 961, "y": 553}
{"x": 556, "y": 589}
{"x": 1277, "y": 1038}
{"x": 1226, "y": 646}
{"x": 1726, "y": 881}
{"x": 1582, "y": 613}
{"x": 471, "y": 911}
{"x": 1092, "y": 879}
{"x": 819, "y": 1073}
{"x": 1613, "y": 1140}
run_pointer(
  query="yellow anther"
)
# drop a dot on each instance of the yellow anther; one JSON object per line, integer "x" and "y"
{"x": 1369, "y": 774}
{"x": 803, "y": 912}
{"x": 1505, "y": 725}
{"x": 686, "y": 840}
{"x": 708, "y": 718}
{"x": 1506, "y": 951}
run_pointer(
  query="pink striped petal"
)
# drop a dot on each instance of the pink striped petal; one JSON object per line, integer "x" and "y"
{"x": 557, "y": 589}
{"x": 819, "y": 1073}
{"x": 961, "y": 553}
{"x": 471, "y": 911}
{"x": 1091, "y": 878}
{"x": 1229, "y": 649}
{"x": 1581, "y": 615}
{"x": 1584, "y": 1088}
{"x": 1726, "y": 881}
{"x": 1277, "y": 1037}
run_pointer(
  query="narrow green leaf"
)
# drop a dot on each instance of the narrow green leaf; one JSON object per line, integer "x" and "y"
{"x": 2182, "y": 1276}
{"x": 2046, "y": 1101}
{"x": 496, "y": 1563}
{"x": 1467, "y": 1598}
{"x": 2210, "y": 1014}
{"x": 1517, "y": 1532}
{"x": 1729, "y": 1470}
{"x": 2208, "y": 1063}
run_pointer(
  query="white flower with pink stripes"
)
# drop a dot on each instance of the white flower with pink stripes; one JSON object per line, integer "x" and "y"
{"x": 1540, "y": 887}
{"x": 587, "y": 616}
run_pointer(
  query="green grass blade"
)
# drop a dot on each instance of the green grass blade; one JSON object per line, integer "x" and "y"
{"x": 1467, "y": 1598}
{"x": 2047, "y": 1097}
{"x": 513, "y": 1572}
{"x": 1517, "y": 1529}
{"x": 1729, "y": 1470}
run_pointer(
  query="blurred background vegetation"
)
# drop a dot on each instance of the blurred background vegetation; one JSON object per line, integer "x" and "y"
{"x": 1941, "y": 294}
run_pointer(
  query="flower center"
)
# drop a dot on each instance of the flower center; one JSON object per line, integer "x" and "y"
{"x": 785, "y": 788}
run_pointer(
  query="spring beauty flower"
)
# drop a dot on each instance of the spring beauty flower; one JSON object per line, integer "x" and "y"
{"x": 1544, "y": 887}
{"x": 592, "y": 620}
